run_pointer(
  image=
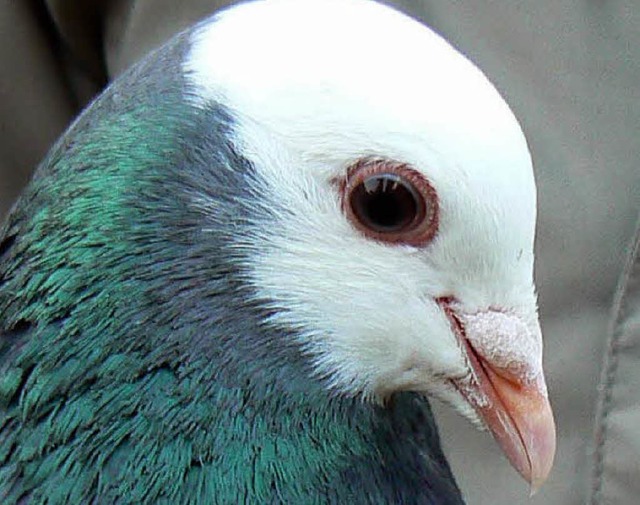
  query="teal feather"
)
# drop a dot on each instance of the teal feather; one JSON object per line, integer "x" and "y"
{"x": 134, "y": 365}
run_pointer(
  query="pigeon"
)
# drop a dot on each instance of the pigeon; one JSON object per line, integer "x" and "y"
{"x": 244, "y": 271}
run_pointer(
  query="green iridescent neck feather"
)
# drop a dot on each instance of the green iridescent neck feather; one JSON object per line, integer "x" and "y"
{"x": 134, "y": 363}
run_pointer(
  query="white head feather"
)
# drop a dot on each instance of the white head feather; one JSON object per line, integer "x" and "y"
{"x": 315, "y": 85}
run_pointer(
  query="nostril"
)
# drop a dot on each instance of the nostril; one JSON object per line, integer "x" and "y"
{"x": 446, "y": 300}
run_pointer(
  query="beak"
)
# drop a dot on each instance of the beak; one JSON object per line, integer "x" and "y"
{"x": 506, "y": 386}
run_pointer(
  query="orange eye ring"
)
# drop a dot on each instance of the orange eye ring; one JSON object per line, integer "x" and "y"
{"x": 390, "y": 202}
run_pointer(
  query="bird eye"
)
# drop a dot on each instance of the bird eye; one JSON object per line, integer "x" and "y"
{"x": 390, "y": 202}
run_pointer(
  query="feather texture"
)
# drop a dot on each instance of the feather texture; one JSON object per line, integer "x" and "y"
{"x": 135, "y": 365}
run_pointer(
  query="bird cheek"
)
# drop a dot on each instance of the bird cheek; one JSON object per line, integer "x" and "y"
{"x": 418, "y": 361}
{"x": 428, "y": 361}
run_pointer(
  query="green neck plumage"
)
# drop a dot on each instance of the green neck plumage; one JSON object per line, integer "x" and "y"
{"x": 135, "y": 365}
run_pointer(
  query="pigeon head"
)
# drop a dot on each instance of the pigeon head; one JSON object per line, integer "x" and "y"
{"x": 401, "y": 209}
{"x": 247, "y": 265}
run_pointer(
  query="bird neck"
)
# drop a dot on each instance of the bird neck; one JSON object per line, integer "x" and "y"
{"x": 275, "y": 442}
{"x": 165, "y": 384}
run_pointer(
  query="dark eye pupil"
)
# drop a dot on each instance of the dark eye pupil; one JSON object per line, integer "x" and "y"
{"x": 385, "y": 203}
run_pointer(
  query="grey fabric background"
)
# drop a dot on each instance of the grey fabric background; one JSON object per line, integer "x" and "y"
{"x": 570, "y": 70}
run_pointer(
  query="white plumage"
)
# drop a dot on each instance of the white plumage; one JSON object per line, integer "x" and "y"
{"x": 348, "y": 80}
